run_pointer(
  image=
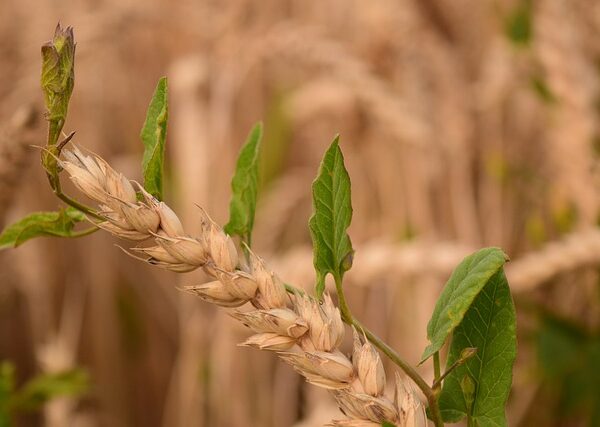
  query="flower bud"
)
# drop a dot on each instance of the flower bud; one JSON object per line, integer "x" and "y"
{"x": 369, "y": 367}
{"x": 215, "y": 293}
{"x": 58, "y": 76}
{"x": 271, "y": 291}
{"x": 279, "y": 320}
{"x": 270, "y": 341}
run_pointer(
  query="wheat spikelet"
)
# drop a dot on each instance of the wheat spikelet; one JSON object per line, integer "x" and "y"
{"x": 303, "y": 332}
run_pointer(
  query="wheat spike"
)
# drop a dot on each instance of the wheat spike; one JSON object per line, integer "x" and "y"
{"x": 302, "y": 331}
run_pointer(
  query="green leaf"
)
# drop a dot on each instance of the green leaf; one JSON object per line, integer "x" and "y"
{"x": 45, "y": 387}
{"x": 480, "y": 386}
{"x": 519, "y": 24}
{"x": 153, "y": 136}
{"x": 332, "y": 206}
{"x": 37, "y": 224}
{"x": 244, "y": 188}
{"x": 387, "y": 424}
{"x": 467, "y": 280}
{"x": 7, "y": 386}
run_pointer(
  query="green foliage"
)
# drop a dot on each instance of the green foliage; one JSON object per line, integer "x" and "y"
{"x": 568, "y": 358}
{"x": 543, "y": 90}
{"x": 466, "y": 282}
{"x": 519, "y": 24}
{"x": 387, "y": 424}
{"x": 153, "y": 135}
{"x": 479, "y": 387}
{"x": 244, "y": 188}
{"x": 332, "y": 206}
{"x": 37, "y": 224}
{"x": 44, "y": 387}
{"x": 276, "y": 140}
{"x": 37, "y": 391}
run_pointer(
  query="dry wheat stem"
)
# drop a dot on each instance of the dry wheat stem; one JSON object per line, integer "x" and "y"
{"x": 303, "y": 332}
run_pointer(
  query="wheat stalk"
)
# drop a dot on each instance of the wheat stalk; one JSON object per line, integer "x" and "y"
{"x": 303, "y": 332}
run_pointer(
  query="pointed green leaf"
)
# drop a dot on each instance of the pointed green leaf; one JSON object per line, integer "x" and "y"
{"x": 481, "y": 385}
{"x": 332, "y": 204}
{"x": 467, "y": 280}
{"x": 38, "y": 224}
{"x": 244, "y": 188}
{"x": 153, "y": 135}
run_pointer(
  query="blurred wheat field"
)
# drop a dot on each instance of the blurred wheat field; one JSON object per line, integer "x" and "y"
{"x": 464, "y": 124}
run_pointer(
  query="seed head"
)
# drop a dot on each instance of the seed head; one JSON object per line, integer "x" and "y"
{"x": 411, "y": 410}
{"x": 363, "y": 406}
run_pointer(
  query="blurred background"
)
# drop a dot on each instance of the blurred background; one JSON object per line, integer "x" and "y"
{"x": 464, "y": 124}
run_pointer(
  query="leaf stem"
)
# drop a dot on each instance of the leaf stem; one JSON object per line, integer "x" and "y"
{"x": 437, "y": 378}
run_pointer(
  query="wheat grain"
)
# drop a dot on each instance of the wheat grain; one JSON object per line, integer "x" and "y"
{"x": 303, "y": 332}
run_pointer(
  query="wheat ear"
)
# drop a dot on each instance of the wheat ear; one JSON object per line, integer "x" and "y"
{"x": 303, "y": 332}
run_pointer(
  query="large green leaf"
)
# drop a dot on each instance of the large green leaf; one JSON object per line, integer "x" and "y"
{"x": 45, "y": 387}
{"x": 153, "y": 135}
{"x": 37, "y": 224}
{"x": 332, "y": 206}
{"x": 467, "y": 280}
{"x": 244, "y": 187}
{"x": 490, "y": 326}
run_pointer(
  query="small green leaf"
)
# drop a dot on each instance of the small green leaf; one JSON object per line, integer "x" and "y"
{"x": 244, "y": 188}
{"x": 153, "y": 135}
{"x": 519, "y": 24}
{"x": 45, "y": 387}
{"x": 467, "y": 280}
{"x": 332, "y": 206}
{"x": 387, "y": 424}
{"x": 59, "y": 224}
{"x": 480, "y": 386}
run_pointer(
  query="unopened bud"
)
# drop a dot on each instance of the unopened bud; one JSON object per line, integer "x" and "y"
{"x": 58, "y": 76}
{"x": 270, "y": 341}
{"x": 215, "y": 293}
